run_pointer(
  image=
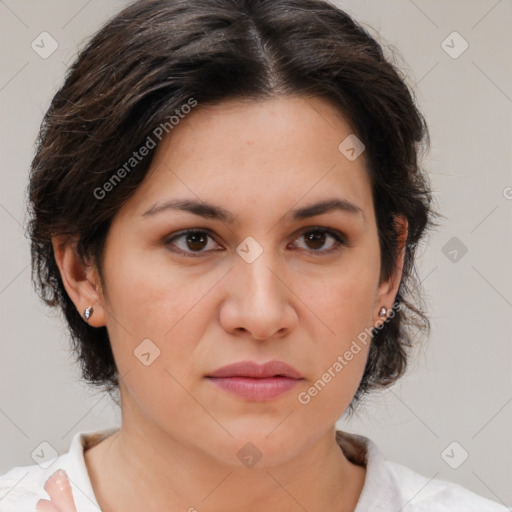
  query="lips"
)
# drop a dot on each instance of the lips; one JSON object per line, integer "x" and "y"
{"x": 256, "y": 382}
{"x": 255, "y": 370}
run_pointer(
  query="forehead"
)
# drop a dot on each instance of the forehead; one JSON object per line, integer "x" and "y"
{"x": 259, "y": 154}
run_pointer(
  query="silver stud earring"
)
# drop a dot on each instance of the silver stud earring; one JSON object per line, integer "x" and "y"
{"x": 383, "y": 312}
{"x": 88, "y": 313}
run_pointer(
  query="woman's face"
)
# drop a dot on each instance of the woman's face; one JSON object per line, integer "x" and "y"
{"x": 257, "y": 285}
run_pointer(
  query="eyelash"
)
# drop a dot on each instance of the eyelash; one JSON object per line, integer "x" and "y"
{"x": 340, "y": 242}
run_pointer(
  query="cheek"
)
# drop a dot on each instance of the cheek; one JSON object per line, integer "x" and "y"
{"x": 341, "y": 302}
{"x": 341, "y": 354}
{"x": 343, "y": 305}
{"x": 153, "y": 297}
{"x": 148, "y": 302}
{"x": 156, "y": 321}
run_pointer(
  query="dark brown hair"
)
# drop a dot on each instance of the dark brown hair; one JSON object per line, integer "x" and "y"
{"x": 149, "y": 61}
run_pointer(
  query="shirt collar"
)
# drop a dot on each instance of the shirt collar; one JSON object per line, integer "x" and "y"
{"x": 381, "y": 490}
{"x": 76, "y": 468}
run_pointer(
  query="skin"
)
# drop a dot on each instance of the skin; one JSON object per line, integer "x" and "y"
{"x": 180, "y": 434}
{"x": 61, "y": 495}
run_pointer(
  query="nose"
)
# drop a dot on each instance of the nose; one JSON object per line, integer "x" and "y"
{"x": 259, "y": 303}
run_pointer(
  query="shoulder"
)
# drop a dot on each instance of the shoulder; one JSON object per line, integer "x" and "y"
{"x": 425, "y": 494}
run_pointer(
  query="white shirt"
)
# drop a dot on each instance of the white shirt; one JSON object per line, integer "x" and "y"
{"x": 388, "y": 487}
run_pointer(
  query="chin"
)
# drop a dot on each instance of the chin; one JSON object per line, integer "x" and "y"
{"x": 263, "y": 448}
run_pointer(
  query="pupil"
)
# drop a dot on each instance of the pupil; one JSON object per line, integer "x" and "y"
{"x": 315, "y": 237}
{"x": 196, "y": 239}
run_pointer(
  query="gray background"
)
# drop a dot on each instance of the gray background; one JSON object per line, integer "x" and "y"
{"x": 458, "y": 387}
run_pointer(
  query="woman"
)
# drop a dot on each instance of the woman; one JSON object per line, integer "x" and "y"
{"x": 226, "y": 202}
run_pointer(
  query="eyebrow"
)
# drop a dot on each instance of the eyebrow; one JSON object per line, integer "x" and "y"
{"x": 212, "y": 211}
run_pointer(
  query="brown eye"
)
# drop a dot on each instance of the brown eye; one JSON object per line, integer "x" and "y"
{"x": 317, "y": 238}
{"x": 196, "y": 241}
{"x": 190, "y": 242}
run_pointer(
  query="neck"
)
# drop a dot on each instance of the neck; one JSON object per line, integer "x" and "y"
{"x": 146, "y": 469}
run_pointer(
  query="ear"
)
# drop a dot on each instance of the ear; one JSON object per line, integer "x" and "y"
{"x": 388, "y": 289}
{"x": 80, "y": 279}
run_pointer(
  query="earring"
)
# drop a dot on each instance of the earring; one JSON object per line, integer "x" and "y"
{"x": 88, "y": 313}
{"x": 383, "y": 312}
